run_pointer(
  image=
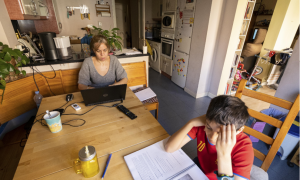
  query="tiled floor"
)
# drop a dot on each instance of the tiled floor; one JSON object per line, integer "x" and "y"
{"x": 176, "y": 107}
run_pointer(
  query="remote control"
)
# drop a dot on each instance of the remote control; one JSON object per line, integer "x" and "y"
{"x": 126, "y": 112}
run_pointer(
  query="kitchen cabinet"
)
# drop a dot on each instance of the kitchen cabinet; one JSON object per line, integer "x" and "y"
{"x": 169, "y": 5}
{"x": 23, "y": 9}
{"x": 44, "y": 11}
{"x": 156, "y": 9}
{"x": 166, "y": 65}
{"x": 51, "y": 22}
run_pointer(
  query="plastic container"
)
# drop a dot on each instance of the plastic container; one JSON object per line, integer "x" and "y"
{"x": 37, "y": 98}
{"x": 290, "y": 141}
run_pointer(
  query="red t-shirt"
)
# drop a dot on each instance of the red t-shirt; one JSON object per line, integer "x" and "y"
{"x": 242, "y": 154}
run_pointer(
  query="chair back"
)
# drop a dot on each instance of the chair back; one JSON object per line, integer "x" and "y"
{"x": 293, "y": 108}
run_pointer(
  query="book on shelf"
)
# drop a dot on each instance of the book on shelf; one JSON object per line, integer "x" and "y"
{"x": 244, "y": 28}
{"x": 249, "y": 10}
{"x": 240, "y": 43}
{"x": 245, "y": 16}
{"x": 235, "y": 59}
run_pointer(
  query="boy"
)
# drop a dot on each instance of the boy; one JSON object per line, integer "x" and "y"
{"x": 222, "y": 148}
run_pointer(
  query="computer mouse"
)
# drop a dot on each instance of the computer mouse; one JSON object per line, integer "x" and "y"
{"x": 69, "y": 97}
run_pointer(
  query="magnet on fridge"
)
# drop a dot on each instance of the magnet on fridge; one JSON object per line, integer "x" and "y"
{"x": 180, "y": 40}
{"x": 191, "y": 20}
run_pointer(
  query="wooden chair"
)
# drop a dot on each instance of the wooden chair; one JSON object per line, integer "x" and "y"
{"x": 137, "y": 75}
{"x": 293, "y": 108}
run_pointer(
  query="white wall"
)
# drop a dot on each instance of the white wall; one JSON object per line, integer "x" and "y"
{"x": 7, "y": 33}
{"x": 73, "y": 25}
{"x": 288, "y": 88}
{"x": 229, "y": 29}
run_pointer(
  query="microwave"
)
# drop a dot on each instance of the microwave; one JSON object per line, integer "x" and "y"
{"x": 167, "y": 47}
{"x": 168, "y": 20}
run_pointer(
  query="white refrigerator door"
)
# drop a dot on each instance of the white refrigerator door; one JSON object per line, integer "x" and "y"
{"x": 179, "y": 68}
{"x": 182, "y": 41}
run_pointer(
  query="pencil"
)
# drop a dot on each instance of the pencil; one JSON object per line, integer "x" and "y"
{"x": 107, "y": 163}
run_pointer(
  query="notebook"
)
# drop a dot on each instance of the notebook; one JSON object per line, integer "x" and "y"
{"x": 154, "y": 163}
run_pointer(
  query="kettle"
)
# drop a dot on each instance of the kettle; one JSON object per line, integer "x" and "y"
{"x": 87, "y": 163}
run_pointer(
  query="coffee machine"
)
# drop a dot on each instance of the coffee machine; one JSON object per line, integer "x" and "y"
{"x": 50, "y": 52}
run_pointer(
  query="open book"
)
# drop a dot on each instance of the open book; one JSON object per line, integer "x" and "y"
{"x": 154, "y": 163}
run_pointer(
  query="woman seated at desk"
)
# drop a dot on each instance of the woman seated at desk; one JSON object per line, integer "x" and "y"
{"x": 101, "y": 70}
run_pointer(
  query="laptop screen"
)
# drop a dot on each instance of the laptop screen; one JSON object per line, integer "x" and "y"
{"x": 104, "y": 94}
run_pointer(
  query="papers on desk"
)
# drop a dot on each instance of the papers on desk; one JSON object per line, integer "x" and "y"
{"x": 145, "y": 94}
{"x": 132, "y": 51}
{"x": 154, "y": 163}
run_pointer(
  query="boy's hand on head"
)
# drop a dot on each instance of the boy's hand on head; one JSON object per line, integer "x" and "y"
{"x": 226, "y": 141}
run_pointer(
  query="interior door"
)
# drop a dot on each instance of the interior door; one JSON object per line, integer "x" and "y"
{"x": 134, "y": 13}
{"x": 120, "y": 18}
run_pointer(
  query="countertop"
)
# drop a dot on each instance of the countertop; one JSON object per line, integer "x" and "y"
{"x": 153, "y": 39}
{"x": 63, "y": 61}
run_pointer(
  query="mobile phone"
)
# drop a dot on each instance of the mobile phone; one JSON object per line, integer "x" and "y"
{"x": 76, "y": 106}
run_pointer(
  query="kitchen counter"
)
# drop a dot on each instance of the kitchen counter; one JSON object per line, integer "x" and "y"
{"x": 76, "y": 64}
{"x": 63, "y": 61}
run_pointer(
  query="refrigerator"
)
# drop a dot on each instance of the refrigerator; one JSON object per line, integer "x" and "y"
{"x": 182, "y": 41}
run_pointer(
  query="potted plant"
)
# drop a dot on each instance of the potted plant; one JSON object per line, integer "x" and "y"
{"x": 10, "y": 60}
{"x": 112, "y": 37}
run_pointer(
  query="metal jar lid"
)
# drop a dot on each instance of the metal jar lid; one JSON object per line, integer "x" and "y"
{"x": 83, "y": 156}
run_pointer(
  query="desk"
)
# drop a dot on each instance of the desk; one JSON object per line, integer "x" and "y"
{"x": 50, "y": 156}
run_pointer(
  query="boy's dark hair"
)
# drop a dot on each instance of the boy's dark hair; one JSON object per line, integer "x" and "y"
{"x": 228, "y": 110}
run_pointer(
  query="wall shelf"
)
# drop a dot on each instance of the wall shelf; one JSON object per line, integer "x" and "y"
{"x": 237, "y": 54}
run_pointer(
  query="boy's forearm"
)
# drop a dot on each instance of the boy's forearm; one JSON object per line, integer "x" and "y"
{"x": 225, "y": 165}
{"x": 175, "y": 140}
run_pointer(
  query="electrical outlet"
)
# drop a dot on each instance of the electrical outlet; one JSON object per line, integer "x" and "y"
{"x": 99, "y": 24}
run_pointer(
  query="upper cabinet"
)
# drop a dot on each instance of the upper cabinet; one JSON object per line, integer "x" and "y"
{"x": 25, "y": 9}
{"x": 169, "y": 5}
{"x": 156, "y": 9}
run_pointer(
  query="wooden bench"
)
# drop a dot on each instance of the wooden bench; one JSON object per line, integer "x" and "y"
{"x": 18, "y": 96}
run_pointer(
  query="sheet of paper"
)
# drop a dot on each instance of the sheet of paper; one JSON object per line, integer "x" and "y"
{"x": 145, "y": 94}
{"x": 154, "y": 163}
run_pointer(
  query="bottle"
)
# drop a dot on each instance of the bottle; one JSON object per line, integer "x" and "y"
{"x": 37, "y": 98}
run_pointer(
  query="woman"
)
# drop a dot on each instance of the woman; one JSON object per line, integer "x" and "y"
{"x": 101, "y": 70}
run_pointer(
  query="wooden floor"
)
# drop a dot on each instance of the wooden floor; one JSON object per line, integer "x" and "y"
{"x": 11, "y": 151}
{"x": 258, "y": 105}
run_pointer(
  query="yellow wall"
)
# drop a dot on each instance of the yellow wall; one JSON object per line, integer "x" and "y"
{"x": 282, "y": 29}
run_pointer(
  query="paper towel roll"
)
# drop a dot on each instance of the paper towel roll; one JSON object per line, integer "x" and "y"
{"x": 144, "y": 49}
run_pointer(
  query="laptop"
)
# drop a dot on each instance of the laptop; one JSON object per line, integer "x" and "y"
{"x": 104, "y": 94}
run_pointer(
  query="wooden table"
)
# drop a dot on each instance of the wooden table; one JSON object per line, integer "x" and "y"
{"x": 50, "y": 156}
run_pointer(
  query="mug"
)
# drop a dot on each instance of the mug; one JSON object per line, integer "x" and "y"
{"x": 53, "y": 122}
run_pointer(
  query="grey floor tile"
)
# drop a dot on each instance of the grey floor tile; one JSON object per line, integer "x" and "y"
{"x": 294, "y": 174}
{"x": 172, "y": 124}
{"x": 281, "y": 166}
{"x": 185, "y": 117}
{"x": 257, "y": 162}
{"x": 273, "y": 175}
